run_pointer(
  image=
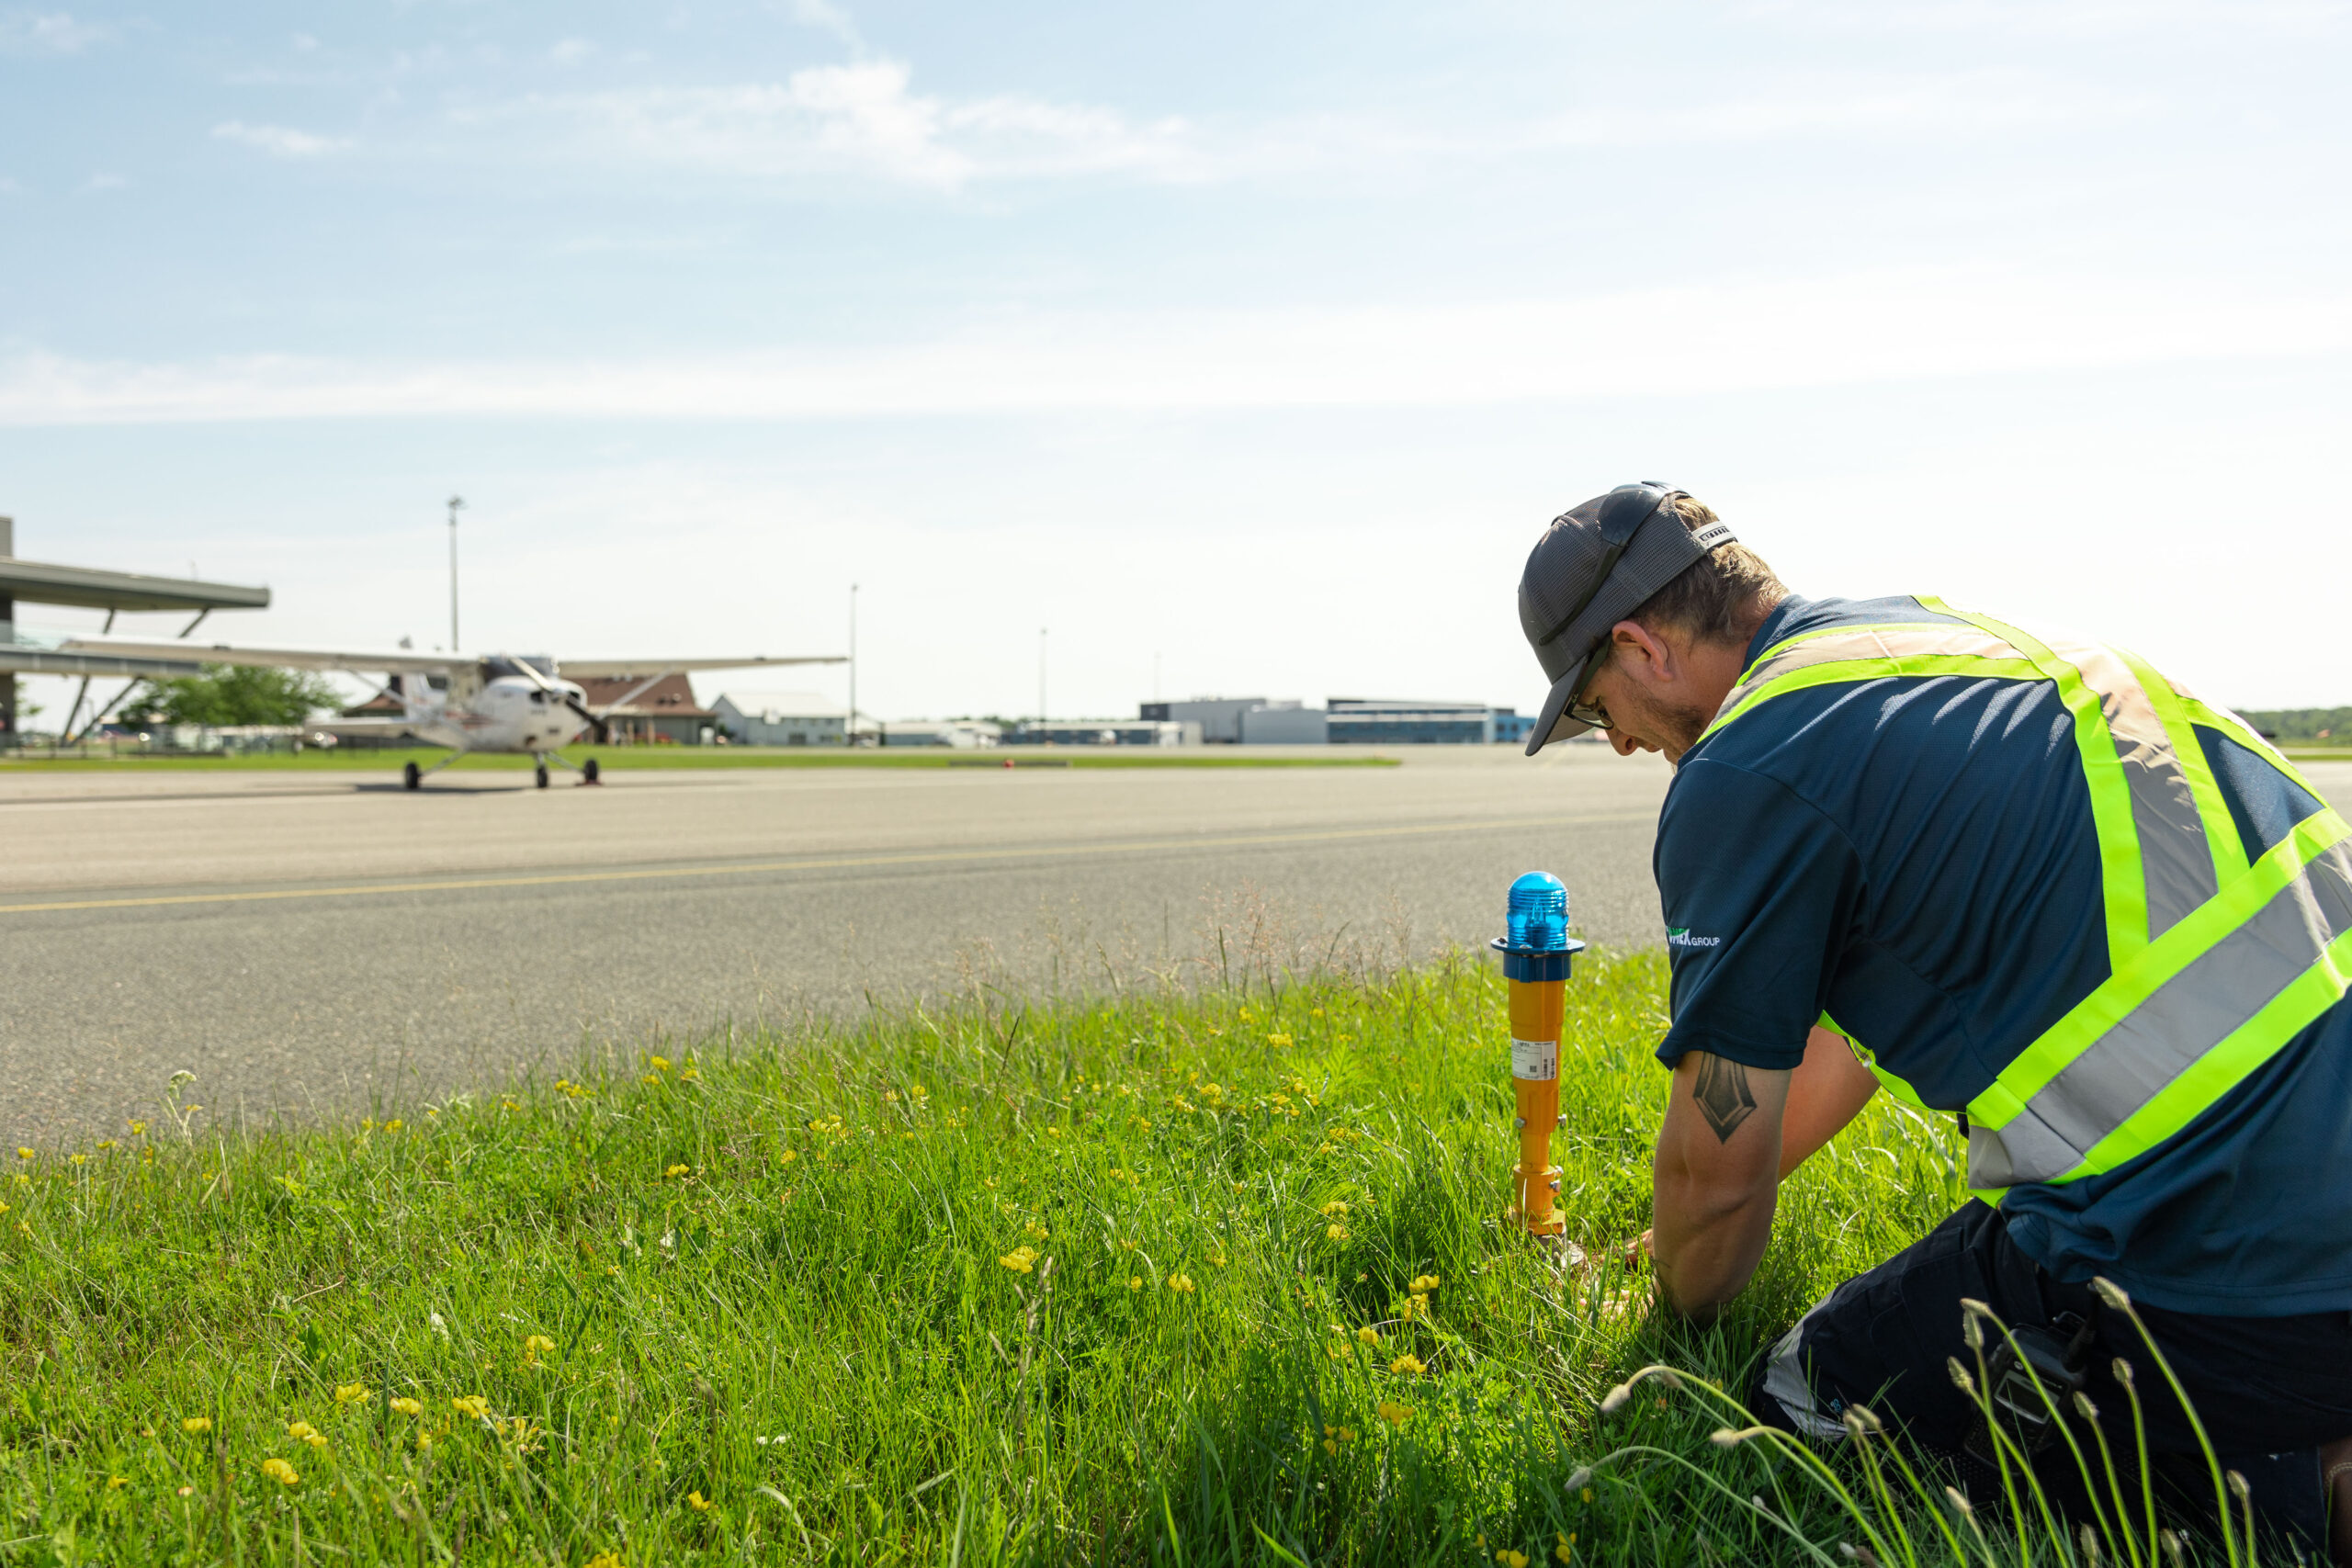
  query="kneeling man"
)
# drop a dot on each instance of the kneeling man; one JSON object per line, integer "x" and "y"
{"x": 2023, "y": 879}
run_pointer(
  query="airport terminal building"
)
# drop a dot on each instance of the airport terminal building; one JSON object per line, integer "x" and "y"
{"x": 1345, "y": 721}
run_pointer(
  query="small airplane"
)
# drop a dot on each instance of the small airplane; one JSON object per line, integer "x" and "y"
{"x": 488, "y": 703}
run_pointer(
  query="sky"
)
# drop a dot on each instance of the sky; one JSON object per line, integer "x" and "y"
{"x": 1211, "y": 349}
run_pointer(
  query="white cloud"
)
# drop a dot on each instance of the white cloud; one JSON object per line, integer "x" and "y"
{"x": 2066, "y": 19}
{"x": 855, "y": 119}
{"x": 829, "y": 18}
{"x": 1731, "y": 337}
{"x": 572, "y": 52}
{"x": 104, "y": 181}
{"x": 279, "y": 141}
{"x": 51, "y": 32}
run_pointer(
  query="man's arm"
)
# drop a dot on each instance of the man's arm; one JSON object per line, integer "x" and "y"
{"x": 1827, "y": 1090}
{"x": 1732, "y": 1135}
{"x": 1715, "y": 1180}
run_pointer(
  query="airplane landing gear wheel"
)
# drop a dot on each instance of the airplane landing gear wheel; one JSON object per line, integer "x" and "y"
{"x": 588, "y": 770}
{"x": 412, "y": 777}
{"x": 541, "y": 772}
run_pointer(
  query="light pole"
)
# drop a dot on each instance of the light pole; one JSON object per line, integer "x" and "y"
{"x": 1041, "y": 677}
{"x": 456, "y": 504}
{"x": 851, "y": 738}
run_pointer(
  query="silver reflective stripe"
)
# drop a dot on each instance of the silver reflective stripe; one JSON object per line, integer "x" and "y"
{"x": 2217, "y": 993}
{"x": 1865, "y": 642}
{"x": 2175, "y": 860}
{"x": 1784, "y": 1380}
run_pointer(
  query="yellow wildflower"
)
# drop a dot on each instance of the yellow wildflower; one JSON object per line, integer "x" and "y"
{"x": 301, "y": 1429}
{"x": 1395, "y": 1415}
{"x": 1334, "y": 1207}
{"x": 1053, "y": 1132}
{"x": 471, "y": 1404}
{"x": 1331, "y": 1445}
{"x": 23, "y": 1153}
{"x": 278, "y": 1470}
{"x": 408, "y": 1407}
{"x": 791, "y": 1154}
{"x": 424, "y": 1441}
{"x": 677, "y": 1170}
{"x": 659, "y": 1064}
{"x": 1335, "y": 1233}
{"x": 1020, "y": 1259}
{"x": 607, "y": 1560}
{"x": 1510, "y": 1559}
{"x": 195, "y": 1424}
{"x": 81, "y": 1159}
{"x": 1367, "y": 1334}
{"x": 394, "y": 1125}
{"x": 1278, "y": 1041}
{"x": 1347, "y": 1434}
{"x": 1038, "y": 1233}
{"x": 350, "y": 1392}
{"x": 1563, "y": 1551}
{"x": 1216, "y": 1259}
{"x": 1181, "y": 1283}
{"x": 1422, "y": 1283}
{"x": 1135, "y": 1281}
{"x": 137, "y": 1127}
{"x": 116, "y": 1483}
{"x": 1408, "y": 1364}
{"x": 698, "y": 1503}
{"x": 688, "y": 1074}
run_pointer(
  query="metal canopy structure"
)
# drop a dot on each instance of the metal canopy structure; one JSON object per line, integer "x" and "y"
{"x": 45, "y": 582}
{"x": 49, "y": 582}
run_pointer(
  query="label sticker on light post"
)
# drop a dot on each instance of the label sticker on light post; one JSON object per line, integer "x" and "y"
{"x": 1535, "y": 1061}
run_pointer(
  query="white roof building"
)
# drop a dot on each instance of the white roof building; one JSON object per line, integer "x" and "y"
{"x": 782, "y": 718}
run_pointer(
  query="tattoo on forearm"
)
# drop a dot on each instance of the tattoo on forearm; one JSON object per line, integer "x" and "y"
{"x": 1722, "y": 1095}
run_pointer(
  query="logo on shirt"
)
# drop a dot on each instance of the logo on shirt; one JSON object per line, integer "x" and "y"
{"x": 1679, "y": 936}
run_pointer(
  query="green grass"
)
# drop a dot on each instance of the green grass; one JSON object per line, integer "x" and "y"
{"x": 619, "y": 758}
{"x": 1078, "y": 1282}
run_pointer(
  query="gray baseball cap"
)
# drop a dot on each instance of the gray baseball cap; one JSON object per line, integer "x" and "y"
{"x": 1593, "y": 567}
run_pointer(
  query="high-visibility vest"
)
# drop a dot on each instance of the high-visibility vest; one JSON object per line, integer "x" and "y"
{"x": 2215, "y": 963}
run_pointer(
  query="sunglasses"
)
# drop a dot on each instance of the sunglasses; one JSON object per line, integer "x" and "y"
{"x": 1591, "y": 713}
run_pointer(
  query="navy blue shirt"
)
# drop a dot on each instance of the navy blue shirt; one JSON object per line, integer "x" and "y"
{"x": 1915, "y": 856}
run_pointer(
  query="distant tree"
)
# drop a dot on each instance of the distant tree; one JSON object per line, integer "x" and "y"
{"x": 2301, "y": 724}
{"x": 226, "y": 694}
{"x": 25, "y": 709}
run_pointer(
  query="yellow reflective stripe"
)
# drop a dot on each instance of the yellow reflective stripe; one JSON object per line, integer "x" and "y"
{"x": 1879, "y": 668}
{"x": 2229, "y": 723}
{"x": 2194, "y": 1090}
{"x": 1894, "y": 1083}
{"x": 2138, "y": 979}
{"x": 2121, "y": 874}
{"x": 2220, "y": 831}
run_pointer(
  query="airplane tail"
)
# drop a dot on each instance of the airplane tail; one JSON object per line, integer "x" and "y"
{"x": 418, "y": 703}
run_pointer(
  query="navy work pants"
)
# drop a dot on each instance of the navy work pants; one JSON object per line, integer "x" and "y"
{"x": 2270, "y": 1391}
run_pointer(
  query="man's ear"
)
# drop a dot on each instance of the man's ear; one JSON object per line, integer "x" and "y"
{"x": 1643, "y": 654}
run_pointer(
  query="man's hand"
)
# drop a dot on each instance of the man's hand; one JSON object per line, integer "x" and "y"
{"x": 1715, "y": 1180}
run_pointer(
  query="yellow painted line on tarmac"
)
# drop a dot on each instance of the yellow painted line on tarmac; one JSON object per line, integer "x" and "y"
{"x": 927, "y": 857}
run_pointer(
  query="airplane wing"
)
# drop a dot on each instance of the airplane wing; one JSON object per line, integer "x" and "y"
{"x": 371, "y": 723}
{"x": 397, "y": 661}
{"x": 625, "y": 669}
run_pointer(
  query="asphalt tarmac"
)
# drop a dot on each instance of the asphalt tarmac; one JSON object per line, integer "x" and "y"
{"x": 312, "y": 944}
{"x": 319, "y": 943}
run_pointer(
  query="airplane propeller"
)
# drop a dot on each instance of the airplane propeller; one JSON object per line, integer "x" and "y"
{"x": 604, "y": 730}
